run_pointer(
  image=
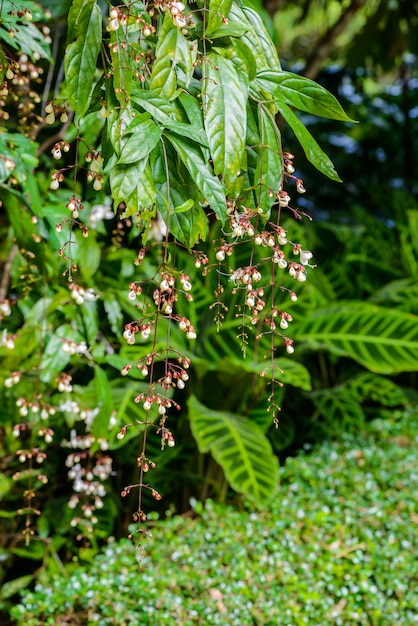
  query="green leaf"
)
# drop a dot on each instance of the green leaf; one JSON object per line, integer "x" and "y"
{"x": 12, "y": 587}
{"x": 224, "y": 97}
{"x": 188, "y": 130}
{"x": 241, "y": 449}
{"x": 268, "y": 173}
{"x": 187, "y": 220}
{"x": 172, "y": 49}
{"x": 369, "y": 386}
{"x": 256, "y": 38}
{"x": 76, "y": 10}
{"x": 100, "y": 425}
{"x": 141, "y": 139}
{"x": 218, "y": 10}
{"x": 383, "y": 340}
{"x": 208, "y": 185}
{"x": 303, "y": 94}
{"x": 313, "y": 152}
{"x": 81, "y": 56}
{"x": 232, "y": 29}
{"x": 54, "y": 359}
{"x": 89, "y": 254}
{"x": 133, "y": 185}
{"x": 159, "y": 108}
{"x": 123, "y": 65}
{"x": 341, "y": 411}
{"x": 113, "y": 312}
{"x": 244, "y": 58}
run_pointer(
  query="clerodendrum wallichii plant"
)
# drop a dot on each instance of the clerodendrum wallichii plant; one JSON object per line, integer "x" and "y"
{"x": 171, "y": 112}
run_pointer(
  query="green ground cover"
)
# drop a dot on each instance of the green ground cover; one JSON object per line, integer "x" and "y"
{"x": 337, "y": 545}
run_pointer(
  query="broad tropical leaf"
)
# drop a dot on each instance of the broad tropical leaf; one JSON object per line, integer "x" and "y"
{"x": 240, "y": 448}
{"x": 341, "y": 411}
{"x": 383, "y": 340}
{"x": 81, "y": 56}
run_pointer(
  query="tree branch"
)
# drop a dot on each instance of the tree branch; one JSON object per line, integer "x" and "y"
{"x": 327, "y": 41}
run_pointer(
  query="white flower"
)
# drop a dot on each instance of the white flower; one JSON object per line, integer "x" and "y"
{"x": 305, "y": 256}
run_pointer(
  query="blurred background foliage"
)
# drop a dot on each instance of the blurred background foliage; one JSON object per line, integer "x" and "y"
{"x": 359, "y": 359}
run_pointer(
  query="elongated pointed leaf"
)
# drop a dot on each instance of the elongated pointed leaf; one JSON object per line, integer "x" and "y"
{"x": 133, "y": 184}
{"x": 240, "y": 448}
{"x": 158, "y": 107}
{"x": 313, "y": 152}
{"x": 256, "y": 37}
{"x": 383, "y": 340}
{"x": 209, "y": 185}
{"x": 218, "y": 10}
{"x": 172, "y": 49}
{"x": 187, "y": 220}
{"x": 187, "y": 130}
{"x": 140, "y": 139}
{"x": 268, "y": 173}
{"x": 224, "y": 97}
{"x": 303, "y": 94}
{"x": 123, "y": 65}
{"x": 81, "y": 56}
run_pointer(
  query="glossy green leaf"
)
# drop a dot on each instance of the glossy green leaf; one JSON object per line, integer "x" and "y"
{"x": 76, "y": 10}
{"x": 217, "y": 12}
{"x": 224, "y": 97}
{"x": 241, "y": 449}
{"x": 268, "y": 173}
{"x": 173, "y": 49}
{"x": 133, "y": 185}
{"x": 123, "y": 65}
{"x": 159, "y": 108}
{"x": 256, "y": 37}
{"x": 187, "y": 220}
{"x": 187, "y": 130}
{"x": 244, "y": 58}
{"x": 313, "y": 152}
{"x": 207, "y": 183}
{"x": 303, "y": 94}
{"x": 231, "y": 29}
{"x": 383, "y": 340}
{"x": 81, "y": 56}
{"x": 139, "y": 140}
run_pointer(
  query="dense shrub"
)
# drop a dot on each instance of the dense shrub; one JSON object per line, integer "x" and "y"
{"x": 334, "y": 547}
